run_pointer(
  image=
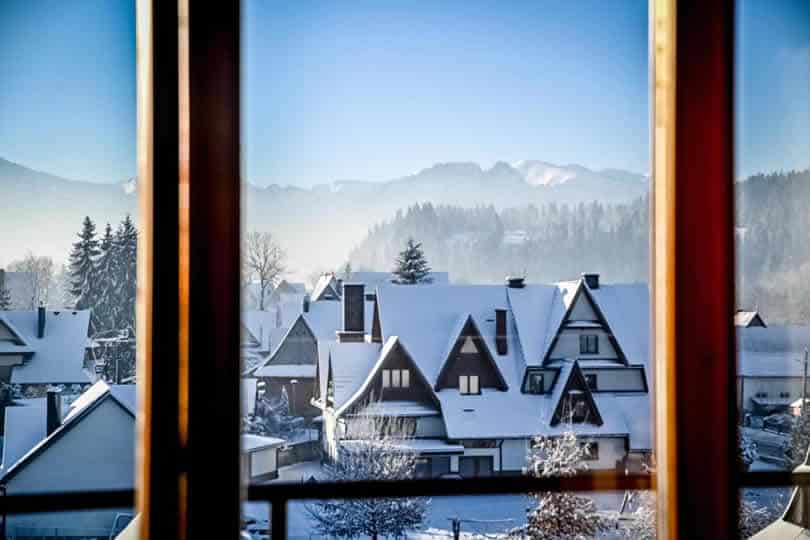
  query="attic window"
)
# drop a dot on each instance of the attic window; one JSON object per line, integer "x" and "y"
{"x": 588, "y": 344}
{"x": 468, "y": 384}
{"x": 468, "y": 347}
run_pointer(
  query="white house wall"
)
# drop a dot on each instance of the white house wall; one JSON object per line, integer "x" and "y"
{"x": 96, "y": 453}
{"x": 513, "y": 454}
{"x": 611, "y": 380}
{"x": 567, "y": 345}
{"x": 611, "y": 450}
{"x": 263, "y": 462}
{"x": 773, "y": 386}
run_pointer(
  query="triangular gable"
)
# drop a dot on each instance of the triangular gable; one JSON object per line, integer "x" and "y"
{"x": 70, "y": 421}
{"x": 6, "y": 324}
{"x": 325, "y": 289}
{"x": 583, "y": 292}
{"x": 278, "y": 356}
{"x": 576, "y": 383}
{"x": 461, "y": 341}
{"x": 391, "y": 347}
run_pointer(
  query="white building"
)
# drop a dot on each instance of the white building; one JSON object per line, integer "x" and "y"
{"x": 90, "y": 447}
{"x": 472, "y": 373}
{"x": 43, "y": 347}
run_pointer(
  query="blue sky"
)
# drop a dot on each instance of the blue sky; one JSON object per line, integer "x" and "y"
{"x": 378, "y": 89}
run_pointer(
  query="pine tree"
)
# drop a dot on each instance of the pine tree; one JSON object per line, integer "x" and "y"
{"x": 82, "y": 266}
{"x": 411, "y": 265}
{"x": 104, "y": 311}
{"x": 5, "y": 299}
{"x": 560, "y": 514}
{"x": 799, "y": 439}
{"x": 126, "y": 263}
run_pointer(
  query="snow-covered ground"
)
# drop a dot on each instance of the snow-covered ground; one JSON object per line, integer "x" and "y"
{"x": 481, "y": 514}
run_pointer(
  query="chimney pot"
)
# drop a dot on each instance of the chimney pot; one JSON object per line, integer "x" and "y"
{"x": 591, "y": 280}
{"x": 53, "y": 409}
{"x": 515, "y": 282}
{"x": 500, "y": 332}
{"x": 41, "y": 322}
{"x": 306, "y": 303}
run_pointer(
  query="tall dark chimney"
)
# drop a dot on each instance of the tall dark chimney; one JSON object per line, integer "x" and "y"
{"x": 41, "y": 322}
{"x": 500, "y": 331}
{"x": 53, "y": 418}
{"x": 515, "y": 282}
{"x": 353, "y": 312}
{"x": 591, "y": 280}
{"x": 306, "y": 303}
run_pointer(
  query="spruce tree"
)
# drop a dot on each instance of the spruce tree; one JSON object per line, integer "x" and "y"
{"x": 126, "y": 263}
{"x": 799, "y": 439}
{"x": 83, "y": 265}
{"x": 5, "y": 299}
{"x": 411, "y": 265}
{"x": 104, "y": 312}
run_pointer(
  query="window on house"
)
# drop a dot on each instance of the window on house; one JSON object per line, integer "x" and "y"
{"x": 589, "y": 344}
{"x": 396, "y": 380}
{"x": 468, "y": 384}
{"x": 386, "y": 378}
{"x": 590, "y": 380}
{"x": 468, "y": 347}
{"x": 406, "y": 378}
{"x": 784, "y": 394}
{"x": 534, "y": 383}
{"x": 591, "y": 449}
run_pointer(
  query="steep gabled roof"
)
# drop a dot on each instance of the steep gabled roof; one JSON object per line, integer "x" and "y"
{"x": 325, "y": 288}
{"x": 122, "y": 395}
{"x": 747, "y": 319}
{"x": 59, "y": 355}
{"x": 392, "y": 345}
{"x": 425, "y": 320}
{"x": 466, "y": 328}
{"x": 21, "y": 346}
{"x": 574, "y": 382}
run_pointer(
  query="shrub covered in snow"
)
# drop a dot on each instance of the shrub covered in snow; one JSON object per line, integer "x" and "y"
{"x": 560, "y": 515}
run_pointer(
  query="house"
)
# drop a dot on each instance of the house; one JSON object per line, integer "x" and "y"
{"x": 292, "y": 364}
{"x": 259, "y": 458}
{"x": 283, "y": 289}
{"x": 259, "y": 329}
{"x": 770, "y": 367}
{"x": 748, "y": 319}
{"x": 469, "y": 374}
{"x": 43, "y": 347}
{"x": 87, "y": 446}
{"x": 328, "y": 287}
{"x": 795, "y": 521}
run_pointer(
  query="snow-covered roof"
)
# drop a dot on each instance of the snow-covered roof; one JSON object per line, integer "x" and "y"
{"x": 538, "y": 311}
{"x": 626, "y": 307}
{"x": 425, "y": 319}
{"x": 375, "y": 279}
{"x": 286, "y": 371}
{"x": 25, "y": 426}
{"x": 773, "y": 351}
{"x": 260, "y": 325}
{"x": 251, "y": 443}
{"x": 59, "y": 355}
{"x": 351, "y": 364}
{"x": 743, "y": 318}
{"x": 325, "y": 288}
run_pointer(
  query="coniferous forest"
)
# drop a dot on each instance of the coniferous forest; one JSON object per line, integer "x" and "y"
{"x": 555, "y": 242}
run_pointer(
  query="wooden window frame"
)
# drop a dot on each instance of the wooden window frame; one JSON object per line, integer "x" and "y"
{"x": 585, "y": 342}
{"x": 189, "y": 174}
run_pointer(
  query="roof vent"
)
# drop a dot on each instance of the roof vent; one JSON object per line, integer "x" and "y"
{"x": 591, "y": 280}
{"x": 515, "y": 282}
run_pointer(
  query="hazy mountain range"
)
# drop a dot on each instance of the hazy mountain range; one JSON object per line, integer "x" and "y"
{"x": 317, "y": 226}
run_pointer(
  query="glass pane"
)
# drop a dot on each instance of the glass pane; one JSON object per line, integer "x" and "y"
{"x": 400, "y": 161}
{"x": 616, "y": 515}
{"x": 773, "y": 251}
{"x": 68, "y": 258}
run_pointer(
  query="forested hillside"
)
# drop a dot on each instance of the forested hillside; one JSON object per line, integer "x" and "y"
{"x": 559, "y": 241}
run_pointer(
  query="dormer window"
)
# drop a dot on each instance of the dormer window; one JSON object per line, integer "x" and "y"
{"x": 468, "y": 384}
{"x": 534, "y": 383}
{"x": 577, "y": 407}
{"x": 590, "y": 379}
{"x": 588, "y": 344}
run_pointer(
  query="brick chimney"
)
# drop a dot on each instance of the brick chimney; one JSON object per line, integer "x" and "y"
{"x": 591, "y": 280}
{"x": 500, "y": 332}
{"x": 53, "y": 414}
{"x": 41, "y": 321}
{"x": 353, "y": 300}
